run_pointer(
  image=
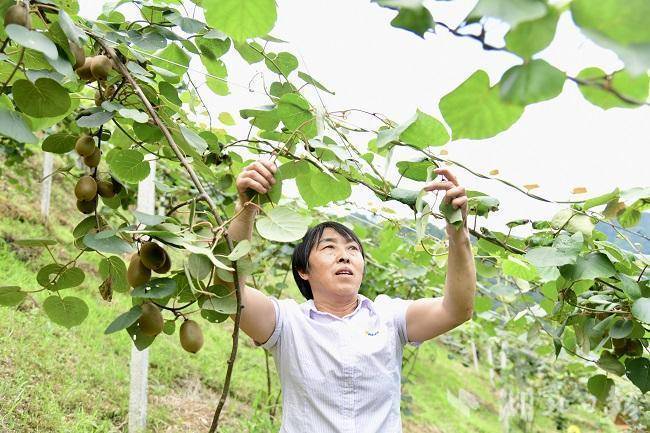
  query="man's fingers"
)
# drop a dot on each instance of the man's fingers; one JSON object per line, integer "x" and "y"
{"x": 264, "y": 171}
{"x": 270, "y": 165}
{"x": 254, "y": 185}
{"x": 256, "y": 176}
{"x": 446, "y": 173}
{"x": 438, "y": 186}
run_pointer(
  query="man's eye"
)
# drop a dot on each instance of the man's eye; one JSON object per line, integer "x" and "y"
{"x": 354, "y": 247}
{"x": 328, "y": 246}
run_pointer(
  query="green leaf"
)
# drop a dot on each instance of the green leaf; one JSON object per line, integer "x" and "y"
{"x": 530, "y": 37}
{"x": 406, "y": 196}
{"x": 226, "y": 119}
{"x": 74, "y": 33}
{"x": 416, "y": 20}
{"x": 475, "y": 110}
{"x": 194, "y": 139}
{"x": 634, "y": 88}
{"x": 133, "y": 114}
{"x": 251, "y": 52}
{"x": 516, "y": 267}
{"x": 199, "y": 266}
{"x": 225, "y": 301}
{"x": 424, "y": 131}
{"x": 241, "y": 19}
{"x": 32, "y": 39}
{"x": 140, "y": 340}
{"x": 173, "y": 59}
{"x": 70, "y": 277}
{"x": 13, "y": 125}
{"x": 240, "y": 250}
{"x": 610, "y": 363}
{"x": 128, "y": 165}
{"x": 415, "y": 170}
{"x": 621, "y": 329}
{"x": 282, "y": 224}
{"x": 318, "y": 188}
{"x": 600, "y": 386}
{"x": 10, "y": 296}
{"x": 512, "y": 12}
{"x": 294, "y": 111}
{"x": 534, "y": 81}
{"x": 124, "y": 320}
{"x": 113, "y": 268}
{"x": 44, "y": 98}
{"x": 309, "y": 79}
{"x": 282, "y": 63}
{"x": 95, "y": 120}
{"x": 549, "y": 256}
{"x": 638, "y": 371}
{"x": 148, "y": 219}
{"x": 60, "y": 143}
{"x": 155, "y": 288}
{"x": 107, "y": 244}
{"x": 589, "y": 267}
{"x": 68, "y": 312}
{"x": 265, "y": 117}
{"x": 573, "y": 222}
{"x": 623, "y": 21}
{"x": 453, "y": 216}
{"x": 641, "y": 309}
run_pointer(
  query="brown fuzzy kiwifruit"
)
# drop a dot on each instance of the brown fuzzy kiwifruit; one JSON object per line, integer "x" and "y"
{"x": 104, "y": 96}
{"x": 137, "y": 274}
{"x": 151, "y": 321}
{"x": 191, "y": 336}
{"x": 105, "y": 189}
{"x": 83, "y": 72}
{"x": 86, "y": 188}
{"x": 152, "y": 255}
{"x": 165, "y": 267}
{"x": 85, "y": 145}
{"x": 87, "y": 206}
{"x": 93, "y": 159}
{"x": 100, "y": 67}
{"x": 79, "y": 55}
{"x": 18, "y": 14}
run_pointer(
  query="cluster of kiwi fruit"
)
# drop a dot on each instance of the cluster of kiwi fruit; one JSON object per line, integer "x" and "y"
{"x": 90, "y": 68}
{"x": 18, "y": 14}
{"x": 151, "y": 257}
{"x": 88, "y": 188}
{"x": 151, "y": 324}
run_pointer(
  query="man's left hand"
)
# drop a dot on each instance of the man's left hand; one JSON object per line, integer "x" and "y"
{"x": 455, "y": 194}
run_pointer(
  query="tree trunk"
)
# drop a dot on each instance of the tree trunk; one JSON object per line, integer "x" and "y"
{"x": 140, "y": 359}
{"x": 474, "y": 354}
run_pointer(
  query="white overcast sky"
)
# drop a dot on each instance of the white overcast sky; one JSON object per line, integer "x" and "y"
{"x": 350, "y": 47}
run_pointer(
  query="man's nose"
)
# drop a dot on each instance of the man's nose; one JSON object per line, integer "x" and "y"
{"x": 344, "y": 258}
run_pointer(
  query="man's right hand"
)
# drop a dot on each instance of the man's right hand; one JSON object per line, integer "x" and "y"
{"x": 258, "y": 176}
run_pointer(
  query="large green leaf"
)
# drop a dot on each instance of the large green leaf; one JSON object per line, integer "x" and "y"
{"x": 518, "y": 268}
{"x": 311, "y": 80}
{"x": 510, "y": 11}
{"x": 128, "y": 165}
{"x": 634, "y": 88}
{"x": 32, "y": 39}
{"x": 425, "y": 131}
{"x": 318, "y": 189}
{"x": 589, "y": 267}
{"x": 155, "y": 288}
{"x": 281, "y": 63}
{"x": 530, "y": 37}
{"x": 534, "y": 81}
{"x": 224, "y": 301}
{"x": 13, "y": 125}
{"x": 294, "y": 111}
{"x": 416, "y": 170}
{"x": 107, "y": 243}
{"x": 241, "y": 19}
{"x": 549, "y": 256}
{"x": 61, "y": 142}
{"x": 282, "y": 224}
{"x": 475, "y": 110}
{"x": 44, "y": 98}
{"x": 638, "y": 371}
{"x": 173, "y": 59}
{"x": 600, "y": 386}
{"x": 417, "y": 20}
{"x": 623, "y": 21}
{"x": 69, "y": 311}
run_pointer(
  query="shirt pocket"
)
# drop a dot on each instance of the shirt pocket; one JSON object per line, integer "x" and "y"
{"x": 376, "y": 351}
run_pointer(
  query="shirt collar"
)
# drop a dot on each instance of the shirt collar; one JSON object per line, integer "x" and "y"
{"x": 363, "y": 303}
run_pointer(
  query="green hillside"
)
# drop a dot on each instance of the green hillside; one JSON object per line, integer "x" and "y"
{"x": 58, "y": 380}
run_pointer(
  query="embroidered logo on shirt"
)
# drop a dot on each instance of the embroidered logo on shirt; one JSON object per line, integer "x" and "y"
{"x": 372, "y": 333}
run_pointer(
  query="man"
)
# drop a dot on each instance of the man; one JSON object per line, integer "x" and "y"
{"x": 339, "y": 354}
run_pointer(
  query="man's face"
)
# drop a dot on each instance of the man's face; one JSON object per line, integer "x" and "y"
{"x": 335, "y": 265}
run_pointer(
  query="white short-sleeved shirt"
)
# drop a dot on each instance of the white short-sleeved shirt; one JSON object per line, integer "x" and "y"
{"x": 340, "y": 375}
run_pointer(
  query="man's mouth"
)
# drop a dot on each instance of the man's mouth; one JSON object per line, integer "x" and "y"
{"x": 344, "y": 271}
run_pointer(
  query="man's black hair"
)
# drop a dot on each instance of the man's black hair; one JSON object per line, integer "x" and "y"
{"x": 300, "y": 258}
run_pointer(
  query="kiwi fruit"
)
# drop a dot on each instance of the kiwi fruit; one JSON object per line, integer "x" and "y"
{"x": 137, "y": 274}
{"x": 93, "y": 159}
{"x": 191, "y": 336}
{"x": 87, "y": 206}
{"x": 86, "y": 188}
{"x": 152, "y": 255}
{"x": 83, "y": 72}
{"x": 151, "y": 321}
{"x": 18, "y": 14}
{"x": 104, "y": 96}
{"x": 79, "y": 55}
{"x": 85, "y": 145}
{"x": 100, "y": 67}
{"x": 105, "y": 189}
{"x": 165, "y": 267}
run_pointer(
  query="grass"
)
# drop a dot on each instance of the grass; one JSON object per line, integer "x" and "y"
{"x": 58, "y": 380}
